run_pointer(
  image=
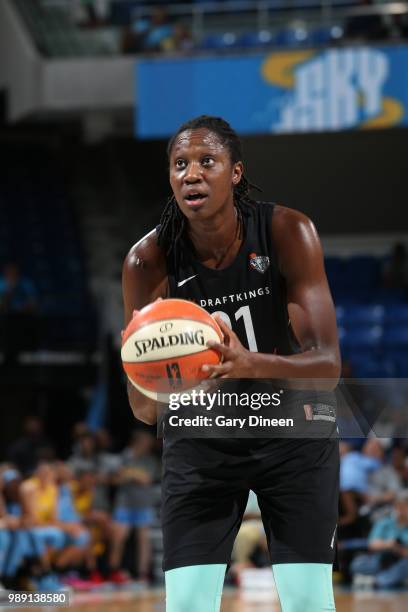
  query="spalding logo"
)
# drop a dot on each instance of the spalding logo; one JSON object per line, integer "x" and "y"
{"x": 260, "y": 263}
{"x": 149, "y": 345}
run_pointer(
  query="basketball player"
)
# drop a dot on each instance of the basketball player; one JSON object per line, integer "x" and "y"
{"x": 214, "y": 245}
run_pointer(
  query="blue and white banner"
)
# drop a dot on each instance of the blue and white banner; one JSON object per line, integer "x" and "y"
{"x": 280, "y": 92}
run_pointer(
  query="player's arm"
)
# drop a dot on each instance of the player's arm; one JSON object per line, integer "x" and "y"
{"x": 310, "y": 308}
{"x": 144, "y": 279}
{"x": 310, "y": 305}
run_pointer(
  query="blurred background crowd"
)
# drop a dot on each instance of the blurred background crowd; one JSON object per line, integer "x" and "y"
{"x": 84, "y": 521}
{"x": 91, "y": 520}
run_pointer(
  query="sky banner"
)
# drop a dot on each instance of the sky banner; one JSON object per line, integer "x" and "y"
{"x": 305, "y": 90}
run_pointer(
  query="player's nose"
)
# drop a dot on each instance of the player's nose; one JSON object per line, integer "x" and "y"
{"x": 192, "y": 174}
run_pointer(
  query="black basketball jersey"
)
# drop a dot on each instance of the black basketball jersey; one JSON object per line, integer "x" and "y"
{"x": 250, "y": 294}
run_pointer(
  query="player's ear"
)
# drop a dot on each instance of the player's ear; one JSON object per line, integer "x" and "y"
{"x": 237, "y": 172}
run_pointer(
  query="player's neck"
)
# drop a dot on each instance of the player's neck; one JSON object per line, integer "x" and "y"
{"x": 217, "y": 241}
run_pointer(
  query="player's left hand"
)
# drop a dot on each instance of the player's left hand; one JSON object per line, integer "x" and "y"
{"x": 236, "y": 358}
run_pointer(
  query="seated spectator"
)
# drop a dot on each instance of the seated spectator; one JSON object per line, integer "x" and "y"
{"x": 40, "y": 496}
{"x": 387, "y": 561}
{"x": 399, "y": 460}
{"x": 133, "y": 507}
{"x": 9, "y": 525}
{"x": 353, "y": 526}
{"x": 356, "y": 466}
{"x": 27, "y": 547}
{"x": 88, "y": 458}
{"x": 78, "y": 538}
{"x": 384, "y": 485}
{"x": 33, "y": 446}
{"x": 148, "y": 34}
{"x": 395, "y": 270}
{"x": 18, "y": 306}
{"x": 97, "y": 521}
{"x": 180, "y": 40}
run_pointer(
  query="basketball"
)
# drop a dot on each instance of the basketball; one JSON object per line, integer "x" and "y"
{"x": 165, "y": 346}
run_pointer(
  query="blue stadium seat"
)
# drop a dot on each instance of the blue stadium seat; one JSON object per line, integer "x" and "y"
{"x": 263, "y": 38}
{"x": 396, "y": 337}
{"x": 364, "y": 315}
{"x": 340, "y": 315}
{"x": 363, "y": 272}
{"x": 363, "y": 339}
{"x": 226, "y": 40}
{"x": 336, "y": 272}
{"x": 367, "y": 367}
{"x": 292, "y": 37}
{"x": 326, "y": 35}
{"x": 396, "y": 314}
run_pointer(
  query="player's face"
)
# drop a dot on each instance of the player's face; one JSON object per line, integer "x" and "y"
{"x": 202, "y": 175}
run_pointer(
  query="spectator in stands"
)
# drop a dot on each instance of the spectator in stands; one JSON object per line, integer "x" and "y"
{"x": 151, "y": 34}
{"x": 32, "y": 447}
{"x": 180, "y": 40}
{"x": 29, "y": 544}
{"x": 40, "y": 496}
{"x": 353, "y": 526}
{"x": 78, "y": 538}
{"x": 9, "y": 524}
{"x": 356, "y": 466}
{"x": 18, "y": 307}
{"x": 387, "y": 561}
{"x": 98, "y": 522}
{"x": 395, "y": 270}
{"x": 399, "y": 460}
{"x": 384, "y": 484}
{"x": 134, "y": 503}
{"x": 88, "y": 458}
{"x": 79, "y": 428}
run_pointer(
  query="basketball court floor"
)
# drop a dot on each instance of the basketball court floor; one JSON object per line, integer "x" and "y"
{"x": 153, "y": 601}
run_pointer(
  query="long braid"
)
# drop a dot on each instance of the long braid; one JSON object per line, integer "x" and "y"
{"x": 172, "y": 221}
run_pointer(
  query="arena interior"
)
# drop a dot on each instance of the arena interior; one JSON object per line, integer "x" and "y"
{"x": 90, "y": 91}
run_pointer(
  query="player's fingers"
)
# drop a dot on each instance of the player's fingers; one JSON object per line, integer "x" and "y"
{"x": 225, "y": 351}
{"x": 134, "y": 313}
{"x": 224, "y": 327}
{"x": 217, "y": 370}
{"x": 230, "y": 337}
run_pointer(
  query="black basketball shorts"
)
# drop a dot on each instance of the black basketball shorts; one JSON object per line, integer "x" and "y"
{"x": 205, "y": 490}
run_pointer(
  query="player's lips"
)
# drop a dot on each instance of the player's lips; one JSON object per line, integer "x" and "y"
{"x": 194, "y": 198}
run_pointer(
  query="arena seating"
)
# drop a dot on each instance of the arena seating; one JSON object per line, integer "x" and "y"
{"x": 217, "y": 27}
{"x": 372, "y": 320}
{"x": 38, "y": 231}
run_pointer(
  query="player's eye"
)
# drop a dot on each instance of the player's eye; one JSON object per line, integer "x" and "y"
{"x": 207, "y": 160}
{"x": 180, "y": 164}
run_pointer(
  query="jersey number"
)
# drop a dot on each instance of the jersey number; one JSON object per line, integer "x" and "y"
{"x": 245, "y": 313}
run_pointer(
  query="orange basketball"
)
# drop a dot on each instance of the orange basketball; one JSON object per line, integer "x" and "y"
{"x": 165, "y": 346}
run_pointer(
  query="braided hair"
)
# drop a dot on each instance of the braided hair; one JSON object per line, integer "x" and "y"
{"x": 172, "y": 221}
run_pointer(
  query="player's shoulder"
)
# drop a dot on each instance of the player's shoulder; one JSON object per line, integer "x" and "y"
{"x": 288, "y": 219}
{"x": 295, "y": 237}
{"x": 290, "y": 226}
{"x": 145, "y": 255}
